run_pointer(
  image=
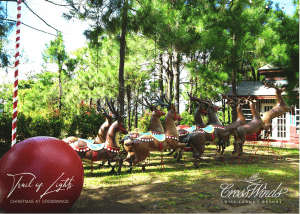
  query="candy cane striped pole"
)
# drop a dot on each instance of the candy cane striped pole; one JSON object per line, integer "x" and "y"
{"x": 15, "y": 100}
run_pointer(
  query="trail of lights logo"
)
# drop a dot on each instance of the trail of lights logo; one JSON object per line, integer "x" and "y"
{"x": 57, "y": 186}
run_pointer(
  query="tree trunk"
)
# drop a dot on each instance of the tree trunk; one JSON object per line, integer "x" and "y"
{"x": 161, "y": 81}
{"x": 253, "y": 73}
{"x": 136, "y": 112}
{"x": 191, "y": 89}
{"x": 91, "y": 102}
{"x": 170, "y": 77}
{"x": 196, "y": 85}
{"x": 228, "y": 115}
{"x": 122, "y": 58}
{"x": 59, "y": 85}
{"x": 128, "y": 107}
{"x": 224, "y": 105}
{"x": 177, "y": 81}
{"x": 234, "y": 84}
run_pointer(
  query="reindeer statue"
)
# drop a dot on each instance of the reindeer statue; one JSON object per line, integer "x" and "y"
{"x": 110, "y": 149}
{"x": 212, "y": 113}
{"x": 102, "y": 132}
{"x": 279, "y": 109}
{"x": 241, "y": 120}
{"x": 213, "y": 118}
{"x": 146, "y": 143}
{"x": 199, "y": 123}
{"x": 101, "y": 136}
{"x": 255, "y": 125}
{"x": 198, "y": 138}
{"x": 156, "y": 128}
{"x": 198, "y": 112}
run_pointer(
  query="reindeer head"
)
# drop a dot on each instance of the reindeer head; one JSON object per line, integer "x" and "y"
{"x": 269, "y": 84}
{"x": 108, "y": 115}
{"x": 198, "y": 102}
{"x": 153, "y": 107}
{"x": 120, "y": 119}
{"x": 171, "y": 108}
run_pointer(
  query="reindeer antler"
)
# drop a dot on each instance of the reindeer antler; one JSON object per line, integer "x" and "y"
{"x": 232, "y": 102}
{"x": 103, "y": 111}
{"x": 113, "y": 110}
{"x": 148, "y": 104}
{"x": 169, "y": 101}
{"x": 248, "y": 99}
{"x": 198, "y": 100}
{"x": 161, "y": 103}
{"x": 194, "y": 99}
{"x": 269, "y": 84}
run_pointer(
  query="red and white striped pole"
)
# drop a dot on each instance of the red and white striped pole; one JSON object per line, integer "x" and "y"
{"x": 15, "y": 100}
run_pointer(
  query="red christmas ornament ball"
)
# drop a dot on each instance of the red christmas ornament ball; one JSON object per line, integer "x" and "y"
{"x": 40, "y": 174}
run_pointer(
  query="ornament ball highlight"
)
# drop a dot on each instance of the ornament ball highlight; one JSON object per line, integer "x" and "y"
{"x": 40, "y": 174}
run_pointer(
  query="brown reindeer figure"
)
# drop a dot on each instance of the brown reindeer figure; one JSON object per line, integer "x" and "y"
{"x": 111, "y": 148}
{"x": 279, "y": 109}
{"x": 214, "y": 120}
{"x": 255, "y": 125}
{"x": 198, "y": 138}
{"x": 101, "y": 136}
{"x": 144, "y": 144}
{"x": 198, "y": 112}
{"x": 212, "y": 113}
{"x": 199, "y": 123}
{"x": 241, "y": 120}
{"x": 156, "y": 128}
{"x": 102, "y": 132}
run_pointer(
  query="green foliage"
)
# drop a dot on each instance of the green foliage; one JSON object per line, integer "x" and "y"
{"x": 6, "y": 91}
{"x": 85, "y": 124}
{"x": 55, "y": 51}
{"x": 52, "y": 123}
{"x": 283, "y": 33}
{"x": 144, "y": 122}
{"x": 187, "y": 119}
{"x": 97, "y": 70}
{"x": 5, "y": 128}
{"x": 5, "y": 29}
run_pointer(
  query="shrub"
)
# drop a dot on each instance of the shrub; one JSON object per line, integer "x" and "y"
{"x": 144, "y": 122}
{"x": 187, "y": 119}
{"x": 85, "y": 124}
{"x": 5, "y": 129}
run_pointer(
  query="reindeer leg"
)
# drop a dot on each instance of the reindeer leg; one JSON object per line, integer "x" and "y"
{"x": 241, "y": 143}
{"x": 176, "y": 154}
{"x": 170, "y": 153}
{"x": 102, "y": 164}
{"x": 223, "y": 149}
{"x": 179, "y": 156}
{"x": 235, "y": 144}
{"x": 120, "y": 166}
{"x": 144, "y": 167}
{"x": 181, "y": 149}
{"x": 119, "y": 161}
{"x": 113, "y": 169}
{"x": 139, "y": 157}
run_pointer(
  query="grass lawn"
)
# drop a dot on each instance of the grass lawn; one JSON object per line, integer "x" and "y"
{"x": 181, "y": 188}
